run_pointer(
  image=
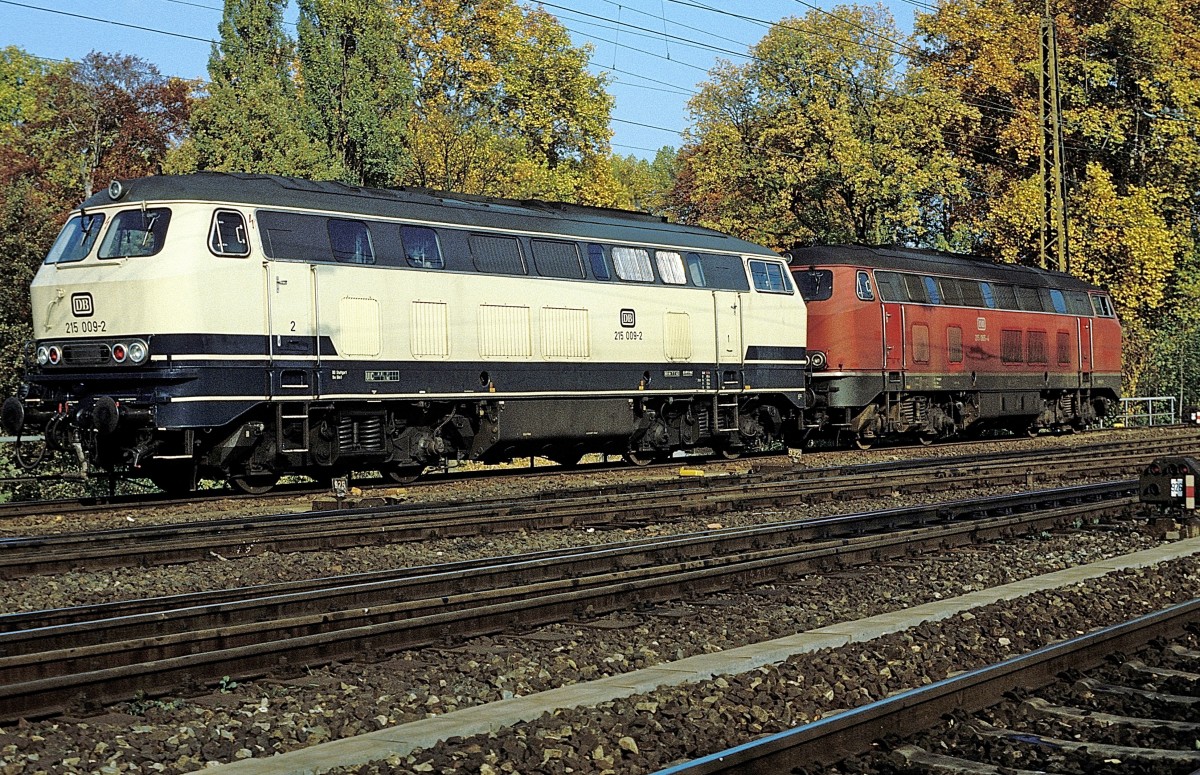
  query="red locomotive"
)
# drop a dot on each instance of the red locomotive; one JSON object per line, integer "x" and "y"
{"x": 925, "y": 344}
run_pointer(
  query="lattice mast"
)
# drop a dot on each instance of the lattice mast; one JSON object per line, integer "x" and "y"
{"x": 1055, "y": 251}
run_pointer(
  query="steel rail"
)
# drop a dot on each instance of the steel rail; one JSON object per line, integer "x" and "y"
{"x": 44, "y": 682}
{"x": 832, "y": 739}
{"x": 597, "y": 507}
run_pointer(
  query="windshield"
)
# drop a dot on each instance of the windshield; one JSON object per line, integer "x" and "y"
{"x": 76, "y": 239}
{"x": 136, "y": 233}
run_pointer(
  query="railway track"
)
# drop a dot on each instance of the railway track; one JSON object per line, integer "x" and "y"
{"x": 628, "y": 504}
{"x": 1085, "y": 723}
{"x": 153, "y": 501}
{"x": 111, "y": 652}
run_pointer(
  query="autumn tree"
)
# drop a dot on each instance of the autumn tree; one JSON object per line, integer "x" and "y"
{"x": 252, "y": 119}
{"x": 356, "y": 90}
{"x": 1130, "y": 74}
{"x": 821, "y": 137}
{"x": 645, "y": 185}
{"x": 503, "y": 103}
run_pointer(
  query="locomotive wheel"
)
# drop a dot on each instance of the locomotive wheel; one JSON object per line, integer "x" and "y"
{"x": 402, "y": 474}
{"x": 925, "y": 439}
{"x": 254, "y": 484}
{"x": 864, "y": 442}
{"x": 639, "y": 458}
{"x": 1032, "y": 431}
{"x": 730, "y": 453}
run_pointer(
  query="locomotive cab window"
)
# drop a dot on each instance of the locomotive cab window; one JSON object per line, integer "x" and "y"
{"x": 228, "y": 237}
{"x": 76, "y": 239}
{"x": 670, "y": 267}
{"x": 815, "y": 284}
{"x": 350, "y": 242}
{"x": 421, "y": 249}
{"x": 1103, "y": 306}
{"x": 862, "y": 286}
{"x": 632, "y": 264}
{"x": 769, "y": 277}
{"x": 136, "y": 233}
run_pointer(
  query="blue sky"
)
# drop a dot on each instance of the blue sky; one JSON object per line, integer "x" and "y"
{"x": 652, "y": 75}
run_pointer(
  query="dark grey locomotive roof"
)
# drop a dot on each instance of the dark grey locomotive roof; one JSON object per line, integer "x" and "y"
{"x": 935, "y": 263}
{"x": 577, "y": 221}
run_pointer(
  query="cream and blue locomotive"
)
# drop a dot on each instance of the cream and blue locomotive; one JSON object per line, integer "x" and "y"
{"x": 248, "y": 326}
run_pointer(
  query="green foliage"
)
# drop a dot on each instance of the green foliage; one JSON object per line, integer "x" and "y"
{"x": 503, "y": 103}
{"x": 822, "y": 137}
{"x": 645, "y": 185}
{"x": 356, "y": 88}
{"x": 251, "y": 120}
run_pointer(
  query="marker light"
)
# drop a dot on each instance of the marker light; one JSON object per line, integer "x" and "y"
{"x": 118, "y": 353}
{"x": 138, "y": 352}
{"x": 55, "y": 355}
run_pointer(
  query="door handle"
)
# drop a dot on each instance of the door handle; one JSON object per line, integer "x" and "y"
{"x": 278, "y": 282}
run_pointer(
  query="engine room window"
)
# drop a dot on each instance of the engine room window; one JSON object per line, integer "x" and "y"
{"x": 815, "y": 284}
{"x": 951, "y": 291}
{"x": 862, "y": 287}
{"x": 632, "y": 264}
{"x": 421, "y": 248}
{"x": 1029, "y": 299}
{"x": 670, "y": 267}
{"x": 915, "y": 286}
{"x": 76, "y": 239}
{"x": 1078, "y": 304}
{"x": 972, "y": 292}
{"x": 932, "y": 290}
{"x": 136, "y": 233}
{"x": 989, "y": 297}
{"x": 228, "y": 236}
{"x": 596, "y": 259}
{"x": 1006, "y": 297}
{"x": 891, "y": 287}
{"x": 294, "y": 237}
{"x": 496, "y": 255}
{"x": 695, "y": 268}
{"x": 350, "y": 242}
{"x": 769, "y": 277}
{"x": 554, "y": 258}
{"x": 1058, "y": 302}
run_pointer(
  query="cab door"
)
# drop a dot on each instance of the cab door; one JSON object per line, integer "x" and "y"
{"x": 893, "y": 337}
{"x": 1085, "y": 351}
{"x": 292, "y": 328}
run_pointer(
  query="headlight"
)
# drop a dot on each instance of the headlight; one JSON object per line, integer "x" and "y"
{"x": 118, "y": 353}
{"x": 817, "y": 360}
{"x": 138, "y": 352}
{"x": 43, "y": 355}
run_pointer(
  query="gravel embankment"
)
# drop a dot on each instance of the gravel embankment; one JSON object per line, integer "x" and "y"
{"x": 256, "y": 719}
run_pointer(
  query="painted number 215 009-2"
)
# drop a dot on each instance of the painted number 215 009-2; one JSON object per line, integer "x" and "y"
{"x": 85, "y": 327}
{"x": 626, "y": 335}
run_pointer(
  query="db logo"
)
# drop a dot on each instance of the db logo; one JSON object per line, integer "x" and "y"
{"x": 81, "y": 305}
{"x": 628, "y": 318}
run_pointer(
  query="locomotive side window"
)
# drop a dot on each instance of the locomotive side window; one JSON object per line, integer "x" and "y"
{"x": 1078, "y": 304}
{"x": 972, "y": 293}
{"x": 670, "y": 267}
{"x": 632, "y": 264}
{"x": 954, "y": 350}
{"x": 769, "y": 277}
{"x": 294, "y": 237}
{"x": 350, "y": 242}
{"x": 916, "y": 288}
{"x": 951, "y": 291}
{"x": 76, "y": 239}
{"x": 932, "y": 290}
{"x": 1102, "y": 306}
{"x": 696, "y": 270}
{"x": 1006, "y": 297}
{"x": 554, "y": 258}
{"x": 1058, "y": 302}
{"x": 989, "y": 297}
{"x": 815, "y": 284}
{"x": 1029, "y": 299}
{"x": 496, "y": 255}
{"x": 891, "y": 287}
{"x": 862, "y": 286}
{"x": 724, "y": 272}
{"x": 421, "y": 249}
{"x": 136, "y": 233}
{"x": 228, "y": 237}
{"x": 596, "y": 259}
